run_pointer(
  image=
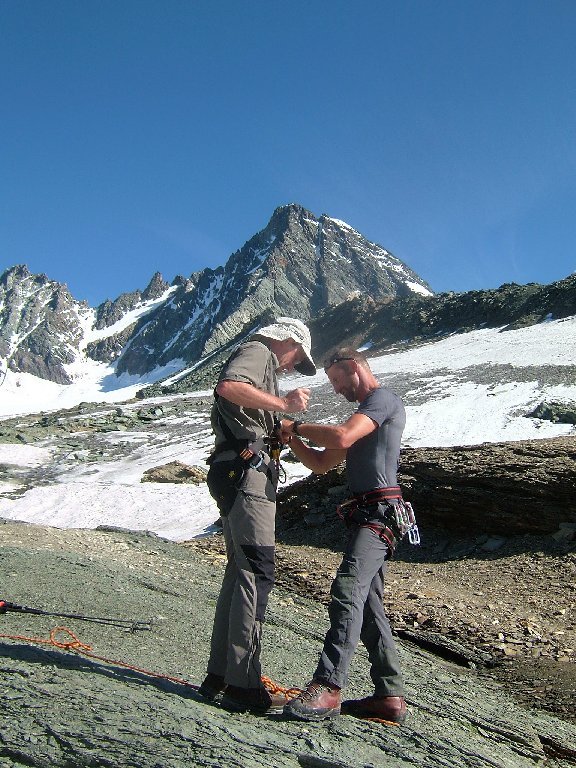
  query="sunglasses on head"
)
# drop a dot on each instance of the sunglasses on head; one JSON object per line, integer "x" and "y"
{"x": 333, "y": 360}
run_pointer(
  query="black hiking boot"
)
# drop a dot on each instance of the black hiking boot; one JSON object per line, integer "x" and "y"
{"x": 257, "y": 700}
{"x": 212, "y": 686}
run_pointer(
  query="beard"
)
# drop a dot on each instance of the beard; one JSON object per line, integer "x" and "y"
{"x": 350, "y": 395}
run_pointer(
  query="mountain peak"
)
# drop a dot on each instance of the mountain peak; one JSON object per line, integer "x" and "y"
{"x": 297, "y": 265}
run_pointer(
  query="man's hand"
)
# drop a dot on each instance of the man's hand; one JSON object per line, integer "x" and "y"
{"x": 286, "y": 430}
{"x": 319, "y": 460}
{"x": 296, "y": 400}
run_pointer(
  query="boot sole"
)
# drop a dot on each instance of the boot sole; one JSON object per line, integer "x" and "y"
{"x": 231, "y": 706}
{"x": 312, "y": 715}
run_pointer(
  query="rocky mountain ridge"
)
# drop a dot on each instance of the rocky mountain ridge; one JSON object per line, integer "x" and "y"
{"x": 297, "y": 265}
{"x": 383, "y": 325}
{"x": 415, "y": 318}
{"x": 320, "y": 269}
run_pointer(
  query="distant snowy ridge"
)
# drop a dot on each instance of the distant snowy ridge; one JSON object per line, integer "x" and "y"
{"x": 297, "y": 265}
{"x": 540, "y": 361}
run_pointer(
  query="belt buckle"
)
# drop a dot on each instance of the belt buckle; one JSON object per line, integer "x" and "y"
{"x": 256, "y": 461}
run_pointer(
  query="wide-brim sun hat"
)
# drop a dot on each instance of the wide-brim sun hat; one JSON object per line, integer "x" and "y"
{"x": 290, "y": 328}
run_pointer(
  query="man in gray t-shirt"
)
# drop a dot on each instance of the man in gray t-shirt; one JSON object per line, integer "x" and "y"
{"x": 369, "y": 441}
{"x": 372, "y": 461}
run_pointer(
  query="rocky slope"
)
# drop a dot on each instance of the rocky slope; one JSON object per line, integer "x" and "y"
{"x": 416, "y": 318}
{"x": 128, "y": 697}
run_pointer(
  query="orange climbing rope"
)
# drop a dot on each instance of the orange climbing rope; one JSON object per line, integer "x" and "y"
{"x": 273, "y": 687}
{"x": 75, "y": 644}
{"x": 381, "y": 720}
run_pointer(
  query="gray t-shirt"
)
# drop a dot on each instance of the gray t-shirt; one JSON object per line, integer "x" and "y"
{"x": 372, "y": 462}
{"x": 254, "y": 364}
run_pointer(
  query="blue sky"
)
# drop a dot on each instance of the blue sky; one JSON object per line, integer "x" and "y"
{"x": 140, "y": 135}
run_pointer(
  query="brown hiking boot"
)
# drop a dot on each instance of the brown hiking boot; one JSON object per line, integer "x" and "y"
{"x": 317, "y": 701}
{"x": 253, "y": 700}
{"x": 390, "y": 708}
{"x": 212, "y": 686}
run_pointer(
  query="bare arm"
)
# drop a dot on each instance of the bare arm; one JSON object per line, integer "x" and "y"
{"x": 340, "y": 436}
{"x": 246, "y": 395}
{"x": 335, "y": 439}
{"x": 318, "y": 460}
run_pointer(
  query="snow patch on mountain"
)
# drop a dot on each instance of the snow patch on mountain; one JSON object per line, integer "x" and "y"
{"x": 142, "y": 309}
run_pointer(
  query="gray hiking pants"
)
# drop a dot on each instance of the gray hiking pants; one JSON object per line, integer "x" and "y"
{"x": 249, "y": 530}
{"x": 356, "y": 613}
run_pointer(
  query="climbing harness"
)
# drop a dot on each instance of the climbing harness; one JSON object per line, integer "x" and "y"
{"x": 397, "y": 521}
{"x": 225, "y": 476}
{"x": 130, "y": 624}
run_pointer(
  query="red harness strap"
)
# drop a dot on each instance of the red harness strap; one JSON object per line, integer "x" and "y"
{"x": 369, "y": 497}
{"x": 378, "y": 494}
{"x": 385, "y": 533}
{"x": 373, "y": 497}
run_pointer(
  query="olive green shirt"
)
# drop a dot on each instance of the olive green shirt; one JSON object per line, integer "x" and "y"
{"x": 254, "y": 364}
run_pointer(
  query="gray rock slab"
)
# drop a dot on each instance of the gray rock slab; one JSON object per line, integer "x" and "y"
{"x": 63, "y": 708}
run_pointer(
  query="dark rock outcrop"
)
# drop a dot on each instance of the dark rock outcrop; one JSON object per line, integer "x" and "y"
{"x": 110, "y": 312}
{"x": 40, "y": 324}
{"x": 414, "y": 318}
{"x": 558, "y": 413}
{"x": 109, "y": 348}
{"x": 175, "y": 472}
{"x": 499, "y": 488}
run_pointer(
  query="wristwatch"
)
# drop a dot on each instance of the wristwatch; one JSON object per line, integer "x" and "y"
{"x": 295, "y": 425}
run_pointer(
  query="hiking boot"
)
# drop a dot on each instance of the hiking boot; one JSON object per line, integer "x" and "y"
{"x": 253, "y": 700}
{"x": 391, "y": 708}
{"x": 317, "y": 701}
{"x": 212, "y": 686}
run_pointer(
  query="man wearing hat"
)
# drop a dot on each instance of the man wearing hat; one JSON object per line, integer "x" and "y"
{"x": 242, "y": 479}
